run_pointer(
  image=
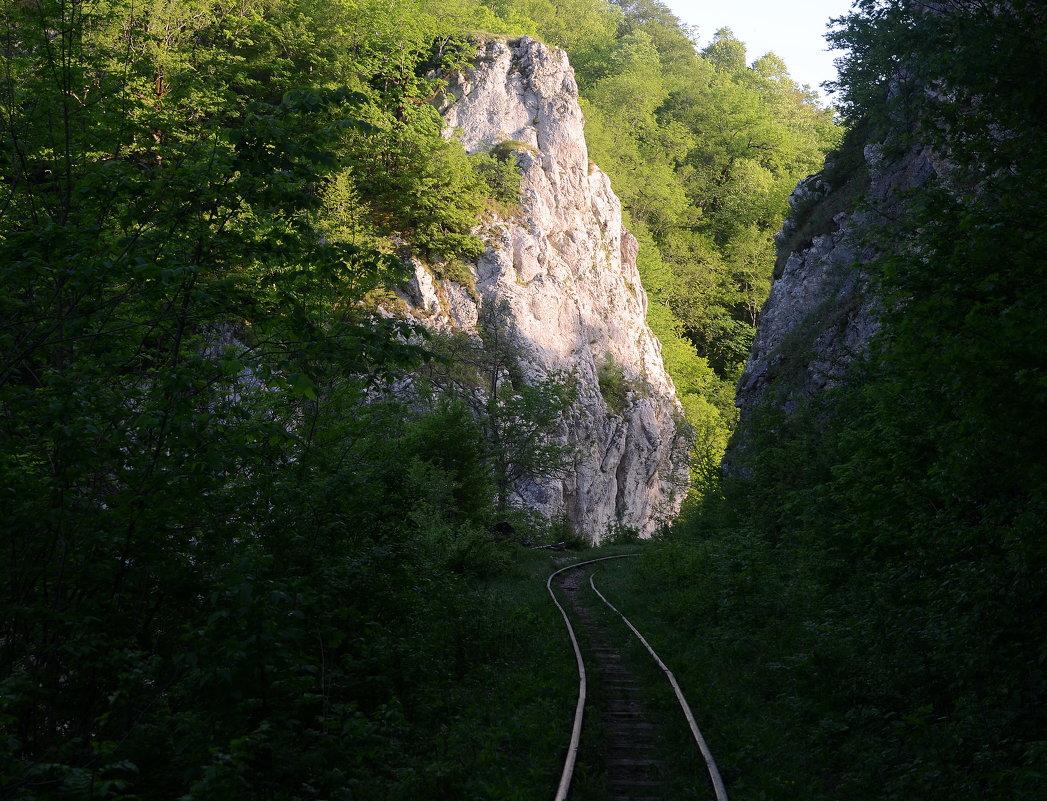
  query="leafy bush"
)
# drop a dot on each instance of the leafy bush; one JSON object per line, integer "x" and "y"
{"x": 878, "y": 556}
{"x": 500, "y": 172}
{"x": 614, "y": 386}
{"x": 225, "y": 581}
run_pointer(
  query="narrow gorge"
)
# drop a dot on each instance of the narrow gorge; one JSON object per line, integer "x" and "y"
{"x": 333, "y": 332}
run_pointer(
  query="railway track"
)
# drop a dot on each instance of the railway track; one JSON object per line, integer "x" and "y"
{"x": 629, "y": 754}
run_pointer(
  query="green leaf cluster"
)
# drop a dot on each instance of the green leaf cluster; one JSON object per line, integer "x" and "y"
{"x": 518, "y": 417}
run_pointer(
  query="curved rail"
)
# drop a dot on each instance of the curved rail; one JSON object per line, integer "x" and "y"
{"x": 576, "y": 731}
{"x": 714, "y": 772}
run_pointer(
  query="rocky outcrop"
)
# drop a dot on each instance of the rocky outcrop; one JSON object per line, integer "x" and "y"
{"x": 818, "y": 316}
{"x": 822, "y": 309}
{"x": 564, "y": 269}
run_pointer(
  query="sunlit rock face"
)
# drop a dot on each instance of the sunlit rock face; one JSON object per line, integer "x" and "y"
{"x": 564, "y": 269}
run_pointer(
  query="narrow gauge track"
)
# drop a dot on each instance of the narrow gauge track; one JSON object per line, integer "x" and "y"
{"x": 631, "y": 765}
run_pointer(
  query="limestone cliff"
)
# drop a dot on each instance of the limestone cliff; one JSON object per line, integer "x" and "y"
{"x": 822, "y": 309}
{"x": 564, "y": 268}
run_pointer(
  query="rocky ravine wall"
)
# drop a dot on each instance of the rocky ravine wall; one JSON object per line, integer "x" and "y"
{"x": 565, "y": 268}
{"x": 822, "y": 309}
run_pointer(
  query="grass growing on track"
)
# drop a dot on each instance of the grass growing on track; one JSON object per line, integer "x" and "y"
{"x": 503, "y": 730}
{"x": 716, "y": 615}
{"x": 516, "y": 722}
{"x": 589, "y": 783}
{"x": 630, "y": 587}
{"x": 511, "y": 725}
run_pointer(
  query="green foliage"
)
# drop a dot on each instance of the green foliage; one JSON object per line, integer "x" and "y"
{"x": 500, "y": 172}
{"x": 727, "y": 53}
{"x": 232, "y": 571}
{"x": 619, "y": 534}
{"x": 878, "y": 556}
{"x": 615, "y": 387}
{"x": 519, "y": 418}
{"x": 448, "y": 443}
{"x": 424, "y": 189}
{"x": 704, "y": 153}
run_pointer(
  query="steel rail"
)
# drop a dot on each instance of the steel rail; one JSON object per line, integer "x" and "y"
{"x": 714, "y": 772}
{"x": 579, "y": 709}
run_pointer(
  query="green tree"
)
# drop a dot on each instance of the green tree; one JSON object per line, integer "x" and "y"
{"x": 889, "y": 527}
{"x": 521, "y": 417}
{"x": 186, "y": 349}
{"x": 726, "y": 52}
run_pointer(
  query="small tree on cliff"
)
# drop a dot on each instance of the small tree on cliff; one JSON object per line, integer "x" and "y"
{"x": 519, "y": 419}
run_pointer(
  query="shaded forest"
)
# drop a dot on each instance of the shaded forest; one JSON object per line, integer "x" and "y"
{"x": 236, "y": 567}
{"x": 873, "y": 570}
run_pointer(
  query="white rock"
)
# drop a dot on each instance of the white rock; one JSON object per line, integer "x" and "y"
{"x": 566, "y": 267}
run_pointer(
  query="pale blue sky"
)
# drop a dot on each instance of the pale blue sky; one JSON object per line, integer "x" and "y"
{"x": 791, "y": 28}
